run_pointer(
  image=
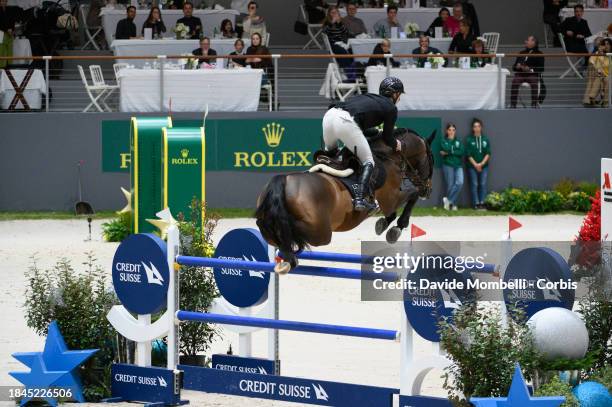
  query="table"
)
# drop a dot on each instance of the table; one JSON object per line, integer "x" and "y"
{"x": 598, "y": 18}
{"x": 422, "y": 16}
{"x": 22, "y": 48}
{"x": 210, "y": 19}
{"x": 227, "y": 90}
{"x": 167, "y": 47}
{"x": 444, "y": 88}
{"x": 32, "y": 93}
{"x": 398, "y": 46}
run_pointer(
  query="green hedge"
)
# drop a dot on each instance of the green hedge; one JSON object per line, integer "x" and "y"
{"x": 517, "y": 200}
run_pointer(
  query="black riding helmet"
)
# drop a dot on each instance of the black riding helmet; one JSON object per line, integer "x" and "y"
{"x": 389, "y": 86}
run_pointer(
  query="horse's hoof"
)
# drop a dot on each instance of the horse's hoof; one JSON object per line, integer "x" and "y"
{"x": 381, "y": 226}
{"x": 282, "y": 268}
{"x": 393, "y": 234}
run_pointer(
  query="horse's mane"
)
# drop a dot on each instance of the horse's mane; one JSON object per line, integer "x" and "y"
{"x": 409, "y": 138}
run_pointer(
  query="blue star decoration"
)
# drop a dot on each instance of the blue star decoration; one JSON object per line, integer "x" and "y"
{"x": 55, "y": 366}
{"x": 518, "y": 396}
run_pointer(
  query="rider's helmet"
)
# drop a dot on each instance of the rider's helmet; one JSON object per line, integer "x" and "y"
{"x": 390, "y": 85}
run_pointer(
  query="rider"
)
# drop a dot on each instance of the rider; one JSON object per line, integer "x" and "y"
{"x": 346, "y": 121}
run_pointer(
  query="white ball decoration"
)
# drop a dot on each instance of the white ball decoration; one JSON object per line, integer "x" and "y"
{"x": 559, "y": 333}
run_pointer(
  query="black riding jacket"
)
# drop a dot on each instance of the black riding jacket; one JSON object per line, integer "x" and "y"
{"x": 371, "y": 110}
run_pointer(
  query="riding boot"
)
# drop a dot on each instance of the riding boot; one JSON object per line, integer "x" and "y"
{"x": 360, "y": 203}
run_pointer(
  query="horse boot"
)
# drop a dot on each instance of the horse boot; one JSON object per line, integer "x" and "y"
{"x": 360, "y": 203}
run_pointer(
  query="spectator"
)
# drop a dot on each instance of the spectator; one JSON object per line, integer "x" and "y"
{"x": 478, "y": 47}
{"x": 338, "y": 35}
{"x": 382, "y": 28}
{"x": 205, "y": 52}
{"x": 424, "y": 49}
{"x": 384, "y": 47}
{"x": 598, "y": 75}
{"x": 155, "y": 23}
{"x": 462, "y": 42}
{"x": 238, "y": 50}
{"x": 451, "y": 150}
{"x": 575, "y": 30}
{"x": 552, "y": 8}
{"x": 126, "y": 29}
{"x": 354, "y": 25}
{"x": 478, "y": 151}
{"x": 227, "y": 29}
{"x": 254, "y": 24}
{"x": 194, "y": 23}
{"x": 469, "y": 12}
{"x": 443, "y": 15}
{"x": 255, "y": 51}
{"x": 528, "y": 69}
{"x": 451, "y": 25}
{"x": 315, "y": 10}
{"x": 241, "y": 6}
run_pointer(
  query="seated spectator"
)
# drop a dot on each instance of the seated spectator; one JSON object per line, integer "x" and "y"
{"x": 354, "y": 25}
{"x": 451, "y": 25}
{"x": 126, "y": 29}
{"x": 550, "y": 16}
{"x": 155, "y": 23}
{"x": 384, "y": 47}
{"x": 478, "y": 151}
{"x": 469, "y": 12}
{"x": 424, "y": 49}
{"x": 253, "y": 23}
{"x": 382, "y": 28}
{"x": 315, "y": 10}
{"x": 575, "y": 30}
{"x": 338, "y": 35}
{"x": 256, "y": 50}
{"x": 598, "y": 75}
{"x": 227, "y": 29}
{"x": 205, "y": 52}
{"x": 194, "y": 23}
{"x": 462, "y": 41}
{"x": 478, "y": 47}
{"x": 238, "y": 50}
{"x": 451, "y": 150}
{"x": 443, "y": 15}
{"x": 528, "y": 69}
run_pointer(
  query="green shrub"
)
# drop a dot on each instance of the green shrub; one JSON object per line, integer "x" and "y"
{"x": 514, "y": 200}
{"x": 603, "y": 376}
{"x": 117, "y": 229}
{"x": 578, "y": 201}
{"x": 544, "y": 201}
{"x": 556, "y": 387}
{"x": 589, "y": 188}
{"x": 565, "y": 186}
{"x": 518, "y": 200}
{"x": 494, "y": 201}
{"x": 79, "y": 302}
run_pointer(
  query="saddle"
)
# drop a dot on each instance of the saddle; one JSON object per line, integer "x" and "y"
{"x": 344, "y": 165}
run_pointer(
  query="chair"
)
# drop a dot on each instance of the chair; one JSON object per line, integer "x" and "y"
{"x": 547, "y": 30}
{"x": 314, "y": 30}
{"x": 268, "y": 88}
{"x": 118, "y": 67}
{"x": 492, "y": 42}
{"x": 94, "y": 92}
{"x": 97, "y": 79}
{"x": 341, "y": 87}
{"x": 266, "y": 40}
{"x": 528, "y": 87}
{"x": 91, "y": 38}
{"x": 573, "y": 65}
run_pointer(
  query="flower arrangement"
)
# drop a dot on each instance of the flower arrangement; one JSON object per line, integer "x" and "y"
{"x": 435, "y": 61}
{"x": 181, "y": 31}
{"x": 411, "y": 29}
{"x": 190, "y": 62}
{"x": 168, "y": 3}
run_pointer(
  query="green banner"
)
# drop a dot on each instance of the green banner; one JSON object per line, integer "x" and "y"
{"x": 278, "y": 145}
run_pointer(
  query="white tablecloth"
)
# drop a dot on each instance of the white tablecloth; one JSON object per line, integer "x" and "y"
{"x": 22, "y": 48}
{"x": 167, "y": 47}
{"x": 227, "y": 90}
{"x": 25, "y": 4}
{"x": 210, "y": 20}
{"x": 33, "y": 92}
{"x": 422, "y": 16}
{"x": 598, "y": 18}
{"x": 444, "y": 88}
{"x": 398, "y": 46}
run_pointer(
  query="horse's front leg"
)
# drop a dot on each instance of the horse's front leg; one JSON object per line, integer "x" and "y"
{"x": 383, "y": 223}
{"x": 394, "y": 233}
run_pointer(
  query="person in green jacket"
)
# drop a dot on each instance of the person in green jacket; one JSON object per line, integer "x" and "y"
{"x": 451, "y": 150}
{"x": 478, "y": 151}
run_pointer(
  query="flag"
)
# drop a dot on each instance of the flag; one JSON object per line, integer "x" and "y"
{"x": 513, "y": 224}
{"x": 416, "y": 231}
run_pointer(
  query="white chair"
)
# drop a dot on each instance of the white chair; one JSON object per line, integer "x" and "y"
{"x": 268, "y": 88}
{"x": 492, "y": 42}
{"x": 573, "y": 65}
{"x": 118, "y": 67}
{"x": 547, "y": 30}
{"x": 94, "y": 92}
{"x": 527, "y": 86}
{"x": 314, "y": 30}
{"x": 97, "y": 31}
{"x": 97, "y": 78}
{"x": 341, "y": 88}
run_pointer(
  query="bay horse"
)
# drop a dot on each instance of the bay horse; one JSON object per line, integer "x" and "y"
{"x": 302, "y": 209}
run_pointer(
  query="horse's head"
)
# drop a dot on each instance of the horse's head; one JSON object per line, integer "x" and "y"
{"x": 419, "y": 159}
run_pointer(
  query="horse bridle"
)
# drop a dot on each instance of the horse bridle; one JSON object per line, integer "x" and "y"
{"x": 412, "y": 173}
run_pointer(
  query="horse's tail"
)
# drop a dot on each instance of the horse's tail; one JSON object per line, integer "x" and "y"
{"x": 275, "y": 222}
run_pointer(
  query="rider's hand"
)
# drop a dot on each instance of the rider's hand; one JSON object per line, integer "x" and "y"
{"x": 399, "y": 145}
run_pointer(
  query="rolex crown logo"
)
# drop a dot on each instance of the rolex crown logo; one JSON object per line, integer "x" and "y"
{"x": 184, "y": 153}
{"x": 274, "y": 134}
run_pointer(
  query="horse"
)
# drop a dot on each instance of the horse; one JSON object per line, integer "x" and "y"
{"x": 299, "y": 210}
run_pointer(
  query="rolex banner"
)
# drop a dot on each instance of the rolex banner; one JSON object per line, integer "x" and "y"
{"x": 274, "y": 145}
